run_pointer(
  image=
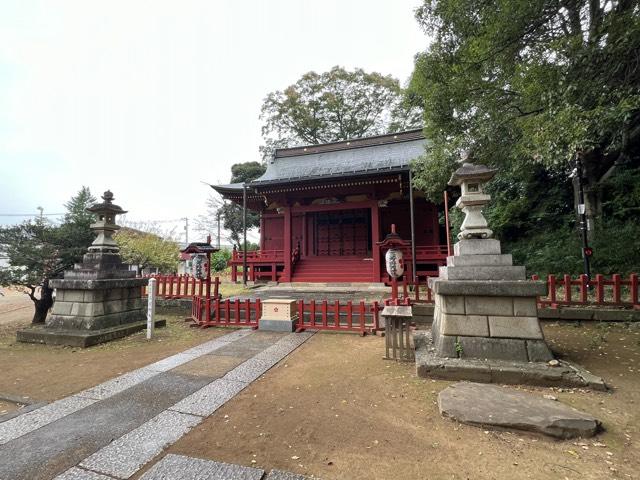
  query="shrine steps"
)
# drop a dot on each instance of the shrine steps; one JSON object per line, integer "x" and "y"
{"x": 333, "y": 269}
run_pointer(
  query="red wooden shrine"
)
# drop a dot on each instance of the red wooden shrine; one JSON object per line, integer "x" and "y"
{"x": 325, "y": 208}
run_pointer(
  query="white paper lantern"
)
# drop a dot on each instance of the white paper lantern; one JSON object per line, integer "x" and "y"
{"x": 395, "y": 264}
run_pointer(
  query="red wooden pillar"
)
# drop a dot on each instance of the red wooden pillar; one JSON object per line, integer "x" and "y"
{"x": 375, "y": 238}
{"x": 286, "y": 277}
{"x": 261, "y": 232}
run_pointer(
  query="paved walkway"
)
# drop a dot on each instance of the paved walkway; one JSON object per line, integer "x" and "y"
{"x": 112, "y": 430}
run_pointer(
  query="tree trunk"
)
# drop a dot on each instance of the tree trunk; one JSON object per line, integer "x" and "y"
{"x": 42, "y": 304}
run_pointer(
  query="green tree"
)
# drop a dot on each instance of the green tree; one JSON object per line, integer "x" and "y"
{"x": 39, "y": 251}
{"x": 147, "y": 250}
{"x": 335, "y": 105}
{"x": 530, "y": 81}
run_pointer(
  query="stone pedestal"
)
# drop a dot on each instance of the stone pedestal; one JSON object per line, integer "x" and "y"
{"x": 484, "y": 307}
{"x": 278, "y": 315}
{"x": 485, "y": 324}
{"x": 100, "y": 299}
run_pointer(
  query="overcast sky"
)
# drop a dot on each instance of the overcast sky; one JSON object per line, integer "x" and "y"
{"x": 148, "y": 98}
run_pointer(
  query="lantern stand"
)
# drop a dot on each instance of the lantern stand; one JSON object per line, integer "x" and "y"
{"x": 199, "y": 248}
{"x": 394, "y": 260}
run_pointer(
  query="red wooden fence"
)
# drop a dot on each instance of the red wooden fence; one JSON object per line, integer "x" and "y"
{"x": 617, "y": 291}
{"x": 225, "y": 313}
{"x": 360, "y": 317}
{"x": 182, "y": 286}
{"x": 338, "y": 316}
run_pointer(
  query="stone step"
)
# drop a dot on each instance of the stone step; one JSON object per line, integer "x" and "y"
{"x": 480, "y": 260}
{"x": 483, "y": 273}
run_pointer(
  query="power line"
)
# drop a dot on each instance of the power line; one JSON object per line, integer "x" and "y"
{"x": 31, "y": 214}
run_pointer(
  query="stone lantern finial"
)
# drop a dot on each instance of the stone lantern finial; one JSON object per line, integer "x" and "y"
{"x": 471, "y": 179}
{"x": 105, "y": 225}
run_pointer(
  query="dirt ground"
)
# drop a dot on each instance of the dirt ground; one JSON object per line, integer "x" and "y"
{"x": 46, "y": 373}
{"x": 335, "y": 409}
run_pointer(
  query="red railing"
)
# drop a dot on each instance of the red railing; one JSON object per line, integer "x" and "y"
{"x": 258, "y": 256}
{"x": 347, "y": 317}
{"x": 616, "y": 291}
{"x": 226, "y": 313}
{"x": 181, "y": 286}
{"x": 324, "y": 315}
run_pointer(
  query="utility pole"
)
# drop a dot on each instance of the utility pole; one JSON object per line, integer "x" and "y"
{"x": 218, "y": 214}
{"x": 244, "y": 234}
{"x": 584, "y": 226}
{"x": 186, "y": 229}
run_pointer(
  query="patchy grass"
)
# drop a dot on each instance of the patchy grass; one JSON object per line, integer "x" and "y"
{"x": 49, "y": 372}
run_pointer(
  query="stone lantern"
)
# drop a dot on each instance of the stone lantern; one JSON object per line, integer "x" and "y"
{"x": 485, "y": 320}
{"x": 471, "y": 178}
{"x": 99, "y": 299}
{"x": 105, "y": 225}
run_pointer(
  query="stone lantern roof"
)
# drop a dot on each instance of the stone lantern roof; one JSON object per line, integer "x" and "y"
{"x": 469, "y": 171}
{"x": 107, "y": 206}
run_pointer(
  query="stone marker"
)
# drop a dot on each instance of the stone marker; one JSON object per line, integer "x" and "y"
{"x": 492, "y": 405}
{"x": 278, "y": 315}
{"x": 100, "y": 299}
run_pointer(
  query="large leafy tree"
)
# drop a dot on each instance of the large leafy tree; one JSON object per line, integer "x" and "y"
{"x": 335, "y": 105}
{"x": 530, "y": 81}
{"x": 39, "y": 251}
{"x": 148, "y": 250}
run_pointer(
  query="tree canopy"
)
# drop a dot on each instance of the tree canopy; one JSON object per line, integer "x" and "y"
{"x": 529, "y": 81}
{"x": 335, "y": 105}
{"x": 39, "y": 251}
{"x": 148, "y": 250}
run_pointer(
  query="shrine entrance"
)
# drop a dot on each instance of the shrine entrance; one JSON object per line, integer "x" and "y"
{"x": 342, "y": 233}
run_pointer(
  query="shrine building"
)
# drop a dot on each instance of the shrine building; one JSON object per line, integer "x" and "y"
{"x": 324, "y": 208}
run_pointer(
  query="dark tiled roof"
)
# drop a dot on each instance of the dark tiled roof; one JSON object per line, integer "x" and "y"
{"x": 344, "y": 159}
{"x": 360, "y": 156}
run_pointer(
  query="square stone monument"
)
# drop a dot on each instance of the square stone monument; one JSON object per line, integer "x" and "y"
{"x": 100, "y": 299}
{"x": 485, "y": 324}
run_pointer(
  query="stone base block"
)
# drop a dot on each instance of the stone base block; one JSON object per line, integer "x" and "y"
{"x": 489, "y": 288}
{"x": 493, "y": 348}
{"x": 276, "y": 325}
{"x": 489, "y": 246}
{"x": 480, "y": 260}
{"x": 468, "y": 325}
{"x": 515, "y": 327}
{"x": 475, "y": 273}
{"x": 80, "y": 338}
{"x": 538, "y": 351}
{"x": 77, "y": 322}
{"x": 430, "y": 365}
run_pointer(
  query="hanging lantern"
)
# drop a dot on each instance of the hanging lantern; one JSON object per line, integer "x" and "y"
{"x": 198, "y": 265}
{"x": 394, "y": 262}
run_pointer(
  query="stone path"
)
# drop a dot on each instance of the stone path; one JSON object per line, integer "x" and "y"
{"x": 113, "y": 429}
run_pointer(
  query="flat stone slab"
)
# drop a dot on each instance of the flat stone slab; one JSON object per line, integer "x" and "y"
{"x": 492, "y": 405}
{"x": 565, "y": 374}
{"x": 179, "y": 467}
{"x": 81, "y": 338}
